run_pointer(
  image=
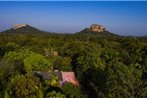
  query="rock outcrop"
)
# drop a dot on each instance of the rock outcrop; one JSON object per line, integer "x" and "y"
{"x": 97, "y": 28}
{"x": 19, "y": 26}
{"x": 23, "y": 29}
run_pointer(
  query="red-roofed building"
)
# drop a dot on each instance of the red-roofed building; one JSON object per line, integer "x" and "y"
{"x": 63, "y": 77}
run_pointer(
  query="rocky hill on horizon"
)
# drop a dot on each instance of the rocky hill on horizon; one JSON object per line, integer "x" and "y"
{"x": 23, "y": 29}
{"x": 97, "y": 30}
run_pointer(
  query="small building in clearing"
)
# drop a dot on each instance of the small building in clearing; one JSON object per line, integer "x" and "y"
{"x": 63, "y": 77}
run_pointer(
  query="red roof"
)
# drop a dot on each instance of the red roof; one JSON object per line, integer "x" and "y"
{"x": 69, "y": 77}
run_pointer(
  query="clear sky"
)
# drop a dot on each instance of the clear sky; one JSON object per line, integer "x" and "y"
{"x": 124, "y": 18}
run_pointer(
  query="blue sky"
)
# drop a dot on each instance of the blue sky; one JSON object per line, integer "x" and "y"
{"x": 124, "y": 18}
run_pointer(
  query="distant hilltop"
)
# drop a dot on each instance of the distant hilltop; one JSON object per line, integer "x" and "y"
{"x": 94, "y": 28}
{"x": 23, "y": 29}
{"x": 97, "y": 28}
{"x": 19, "y": 26}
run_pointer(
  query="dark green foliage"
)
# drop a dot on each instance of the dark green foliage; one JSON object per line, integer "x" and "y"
{"x": 71, "y": 90}
{"x": 23, "y": 86}
{"x": 54, "y": 94}
{"x": 62, "y": 63}
{"x": 106, "y": 65}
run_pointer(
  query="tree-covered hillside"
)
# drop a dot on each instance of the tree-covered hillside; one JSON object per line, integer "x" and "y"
{"x": 106, "y": 66}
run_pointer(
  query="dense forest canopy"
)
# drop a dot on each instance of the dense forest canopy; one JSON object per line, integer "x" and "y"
{"x": 105, "y": 66}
